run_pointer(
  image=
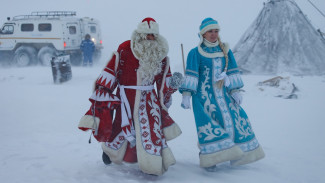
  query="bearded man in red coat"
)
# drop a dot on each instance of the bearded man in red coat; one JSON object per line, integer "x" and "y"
{"x": 141, "y": 126}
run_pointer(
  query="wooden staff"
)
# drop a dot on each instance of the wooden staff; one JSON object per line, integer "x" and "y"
{"x": 183, "y": 58}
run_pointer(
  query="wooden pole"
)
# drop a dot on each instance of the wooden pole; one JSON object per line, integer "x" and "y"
{"x": 183, "y": 58}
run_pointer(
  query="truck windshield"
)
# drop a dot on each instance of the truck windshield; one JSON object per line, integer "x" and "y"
{"x": 7, "y": 29}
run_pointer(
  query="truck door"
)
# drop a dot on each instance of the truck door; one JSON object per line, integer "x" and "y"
{"x": 73, "y": 38}
{"x": 94, "y": 31}
{"x": 7, "y": 42}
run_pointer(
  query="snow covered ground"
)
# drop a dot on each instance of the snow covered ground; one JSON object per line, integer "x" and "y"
{"x": 40, "y": 141}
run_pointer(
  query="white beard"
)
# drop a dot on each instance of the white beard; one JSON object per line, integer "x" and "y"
{"x": 150, "y": 54}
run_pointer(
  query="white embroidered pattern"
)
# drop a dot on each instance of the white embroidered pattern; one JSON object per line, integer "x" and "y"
{"x": 208, "y": 109}
{"x": 228, "y": 124}
{"x": 117, "y": 142}
{"x": 155, "y": 113}
{"x": 241, "y": 124}
{"x": 145, "y": 128}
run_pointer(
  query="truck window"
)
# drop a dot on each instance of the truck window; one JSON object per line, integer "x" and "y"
{"x": 27, "y": 27}
{"x": 44, "y": 27}
{"x": 7, "y": 29}
{"x": 92, "y": 29}
{"x": 72, "y": 29}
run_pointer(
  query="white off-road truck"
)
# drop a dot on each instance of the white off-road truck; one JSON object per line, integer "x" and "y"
{"x": 36, "y": 38}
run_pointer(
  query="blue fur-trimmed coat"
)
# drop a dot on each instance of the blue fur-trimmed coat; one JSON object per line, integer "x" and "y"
{"x": 223, "y": 128}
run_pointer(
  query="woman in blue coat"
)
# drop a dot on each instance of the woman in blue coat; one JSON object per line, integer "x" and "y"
{"x": 213, "y": 81}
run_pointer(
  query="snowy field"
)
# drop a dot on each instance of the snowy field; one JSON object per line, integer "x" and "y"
{"x": 40, "y": 141}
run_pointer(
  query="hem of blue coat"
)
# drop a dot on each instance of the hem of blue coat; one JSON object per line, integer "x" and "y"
{"x": 249, "y": 157}
{"x": 233, "y": 153}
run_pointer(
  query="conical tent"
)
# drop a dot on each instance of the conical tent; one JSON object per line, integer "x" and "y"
{"x": 281, "y": 40}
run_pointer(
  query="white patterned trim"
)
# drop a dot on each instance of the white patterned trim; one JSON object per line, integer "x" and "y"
{"x": 249, "y": 146}
{"x": 106, "y": 79}
{"x": 190, "y": 83}
{"x": 104, "y": 96}
{"x": 216, "y": 146}
{"x": 117, "y": 142}
{"x": 219, "y": 95}
{"x": 145, "y": 127}
{"x": 235, "y": 81}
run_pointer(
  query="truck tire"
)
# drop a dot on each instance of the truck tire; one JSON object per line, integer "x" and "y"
{"x": 45, "y": 55}
{"x": 24, "y": 56}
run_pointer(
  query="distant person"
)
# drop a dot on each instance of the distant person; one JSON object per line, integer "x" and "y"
{"x": 141, "y": 126}
{"x": 213, "y": 81}
{"x": 87, "y": 47}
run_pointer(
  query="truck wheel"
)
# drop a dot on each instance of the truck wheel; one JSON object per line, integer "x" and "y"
{"x": 45, "y": 55}
{"x": 24, "y": 56}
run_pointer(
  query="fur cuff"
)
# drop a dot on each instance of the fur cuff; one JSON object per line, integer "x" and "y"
{"x": 172, "y": 132}
{"x": 249, "y": 157}
{"x": 168, "y": 158}
{"x": 207, "y": 160}
{"x": 116, "y": 156}
{"x": 88, "y": 122}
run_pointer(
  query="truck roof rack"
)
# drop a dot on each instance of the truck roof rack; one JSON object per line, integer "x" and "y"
{"x": 46, "y": 14}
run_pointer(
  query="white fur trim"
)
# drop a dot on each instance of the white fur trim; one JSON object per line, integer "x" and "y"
{"x": 172, "y": 132}
{"x": 116, "y": 156}
{"x": 88, "y": 121}
{"x": 143, "y": 27}
{"x": 209, "y": 27}
{"x": 249, "y": 157}
{"x": 213, "y": 55}
{"x": 168, "y": 158}
{"x": 207, "y": 160}
{"x": 163, "y": 85}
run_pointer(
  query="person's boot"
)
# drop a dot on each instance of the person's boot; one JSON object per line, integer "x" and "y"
{"x": 106, "y": 159}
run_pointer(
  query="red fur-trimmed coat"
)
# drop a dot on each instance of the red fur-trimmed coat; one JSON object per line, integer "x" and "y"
{"x": 152, "y": 123}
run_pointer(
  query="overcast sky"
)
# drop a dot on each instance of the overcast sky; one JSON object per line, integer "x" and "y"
{"x": 178, "y": 19}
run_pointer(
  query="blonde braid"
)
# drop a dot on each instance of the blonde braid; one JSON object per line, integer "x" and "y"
{"x": 222, "y": 46}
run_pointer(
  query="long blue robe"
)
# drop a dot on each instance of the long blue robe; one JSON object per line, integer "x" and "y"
{"x": 223, "y": 128}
